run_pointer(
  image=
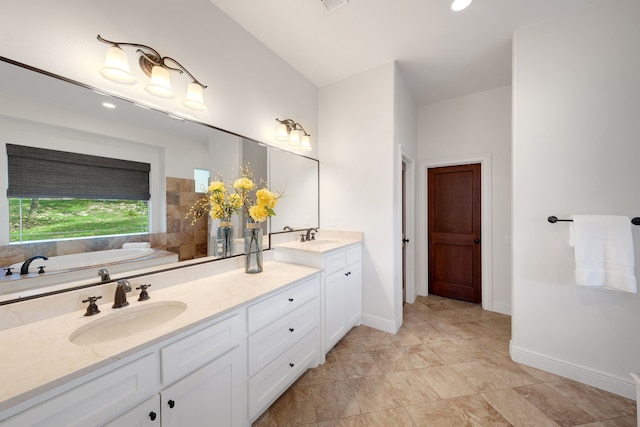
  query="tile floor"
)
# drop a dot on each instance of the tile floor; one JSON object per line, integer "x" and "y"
{"x": 448, "y": 365}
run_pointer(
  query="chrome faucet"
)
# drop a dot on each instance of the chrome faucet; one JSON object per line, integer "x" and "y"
{"x": 25, "y": 265}
{"x": 120, "y": 298}
{"x": 104, "y": 275}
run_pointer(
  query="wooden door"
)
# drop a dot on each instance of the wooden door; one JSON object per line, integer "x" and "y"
{"x": 454, "y": 232}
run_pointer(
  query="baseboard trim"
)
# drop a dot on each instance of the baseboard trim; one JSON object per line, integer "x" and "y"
{"x": 379, "y": 323}
{"x": 501, "y": 308}
{"x": 583, "y": 374}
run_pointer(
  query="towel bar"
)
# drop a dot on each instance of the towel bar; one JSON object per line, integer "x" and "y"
{"x": 554, "y": 219}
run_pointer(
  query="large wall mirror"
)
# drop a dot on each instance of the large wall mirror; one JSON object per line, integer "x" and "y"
{"x": 45, "y": 111}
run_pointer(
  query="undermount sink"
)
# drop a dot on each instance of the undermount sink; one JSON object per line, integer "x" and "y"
{"x": 131, "y": 321}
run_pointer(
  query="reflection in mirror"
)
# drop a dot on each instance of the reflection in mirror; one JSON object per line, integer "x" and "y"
{"x": 43, "y": 111}
{"x": 298, "y": 177}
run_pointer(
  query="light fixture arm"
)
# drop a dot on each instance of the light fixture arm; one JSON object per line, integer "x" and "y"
{"x": 156, "y": 54}
{"x": 292, "y": 125}
{"x": 153, "y": 58}
{"x": 181, "y": 70}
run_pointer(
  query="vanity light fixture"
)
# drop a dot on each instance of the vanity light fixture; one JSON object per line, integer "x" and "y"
{"x": 116, "y": 68}
{"x": 293, "y": 134}
{"x": 459, "y": 5}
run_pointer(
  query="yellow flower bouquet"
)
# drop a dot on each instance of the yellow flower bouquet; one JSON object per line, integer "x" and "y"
{"x": 222, "y": 204}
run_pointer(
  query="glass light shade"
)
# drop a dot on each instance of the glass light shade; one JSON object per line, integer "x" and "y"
{"x": 194, "y": 98}
{"x": 305, "y": 144}
{"x": 294, "y": 138}
{"x": 282, "y": 134}
{"x": 458, "y": 5}
{"x": 116, "y": 67}
{"x": 159, "y": 85}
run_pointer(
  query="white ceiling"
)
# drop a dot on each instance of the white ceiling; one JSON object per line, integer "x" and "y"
{"x": 441, "y": 54}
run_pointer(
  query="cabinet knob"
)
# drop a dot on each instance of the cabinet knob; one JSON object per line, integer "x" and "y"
{"x": 171, "y": 404}
{"x": 348, "y": 273}
{"x": 290, "y": 299}
{"x": 152, "y": 416}
{"x": 291, "y": 329}
{"x": 292, "y": 365}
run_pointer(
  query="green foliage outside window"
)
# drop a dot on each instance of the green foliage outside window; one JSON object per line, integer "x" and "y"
{"x": 47, "y": 219}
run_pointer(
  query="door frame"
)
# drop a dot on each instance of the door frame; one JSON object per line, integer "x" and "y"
{"x": 411, "y": 287}
{"x": 485, "y": 229}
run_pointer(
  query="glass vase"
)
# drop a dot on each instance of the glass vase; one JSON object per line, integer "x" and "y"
{"x": 223, "y": 247}
{"x": 253, "y": 248}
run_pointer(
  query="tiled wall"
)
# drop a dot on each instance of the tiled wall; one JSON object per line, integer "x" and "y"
{"x": 187, "y": 240}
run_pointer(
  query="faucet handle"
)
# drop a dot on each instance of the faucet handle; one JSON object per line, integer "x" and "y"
{"x": 93, "y": 307}
{"x": 144, "y": 295}
{"x": 302, "y": 236}
{"x": 8, "y": 270}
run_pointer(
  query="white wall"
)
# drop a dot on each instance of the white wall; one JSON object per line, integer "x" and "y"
{"x": 576, "y": 151}
{"x": 476, "y": 124}
{"x": 248, "y": 85}
{"x": 357, "y": 180}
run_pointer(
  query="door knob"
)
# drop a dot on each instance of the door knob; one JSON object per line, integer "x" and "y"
{"x": 476, "y": 241}
{"x": 405, "y": 240}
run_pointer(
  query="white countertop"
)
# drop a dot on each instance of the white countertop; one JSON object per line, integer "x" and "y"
{"x": 319, "y": 245}
{"x": 38, "y": 356}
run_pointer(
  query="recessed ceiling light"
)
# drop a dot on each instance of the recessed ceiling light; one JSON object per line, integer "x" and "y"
{"x": 108, "y": 105}
{"x": 459, "y": 5}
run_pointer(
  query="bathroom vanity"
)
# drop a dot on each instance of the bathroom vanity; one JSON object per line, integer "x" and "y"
{"x": 239, "y": 343}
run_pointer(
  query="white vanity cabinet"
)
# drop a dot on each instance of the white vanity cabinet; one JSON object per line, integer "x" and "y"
{"x": 97, "y": 399}
{"x": 341, "y": 286}
{"x": 342, "y": 294}
{"x": 189, "y": 380}
{"x": 283, "y": 342}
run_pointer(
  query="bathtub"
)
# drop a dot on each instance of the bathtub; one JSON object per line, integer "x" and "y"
{"x": 68, "y": 271}
{"x": 85, "y": 259}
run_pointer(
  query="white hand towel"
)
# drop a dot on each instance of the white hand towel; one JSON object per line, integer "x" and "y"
{"x": 136, "y": 245}
{"x": 603, "y": 251}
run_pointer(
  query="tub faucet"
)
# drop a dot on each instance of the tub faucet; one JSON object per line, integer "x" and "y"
{"x": 25, "y": 265}
{"x": 104, "y": 275}
{"x": 120, "y": 298}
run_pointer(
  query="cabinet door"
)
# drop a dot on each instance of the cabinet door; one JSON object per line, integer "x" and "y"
{"x": 214, "y": 395}
{"x": 146, "y": 414}
{"x": 353, "y": 295}
{"x": 334, "y": 320}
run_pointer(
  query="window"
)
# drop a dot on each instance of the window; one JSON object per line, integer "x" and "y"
{"x": 201, "y": 176}
{"x": 54, "y": 194}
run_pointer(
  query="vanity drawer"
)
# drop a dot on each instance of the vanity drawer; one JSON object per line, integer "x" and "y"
{"x": 96, "y": 400}
{"x": 273, "y": 340}
{"x": 334, "y": 262}
{"x": 196, "y": 350}
{"x": 274, "y": 379}
{"x": 274, "y": 307}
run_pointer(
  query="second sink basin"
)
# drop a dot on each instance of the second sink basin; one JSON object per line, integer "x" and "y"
{"x": 129, "y": 322}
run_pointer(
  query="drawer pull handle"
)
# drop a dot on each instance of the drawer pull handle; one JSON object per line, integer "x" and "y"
{"x": 292, "y": 365}
{"x": 171, "y": 404}
{"x": 152, "y": 416}
{"x": 291, "y": 329}
{"x": 290, "y": 299}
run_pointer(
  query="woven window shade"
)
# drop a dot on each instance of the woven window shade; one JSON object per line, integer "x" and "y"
{"x": 39, "y": 172}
